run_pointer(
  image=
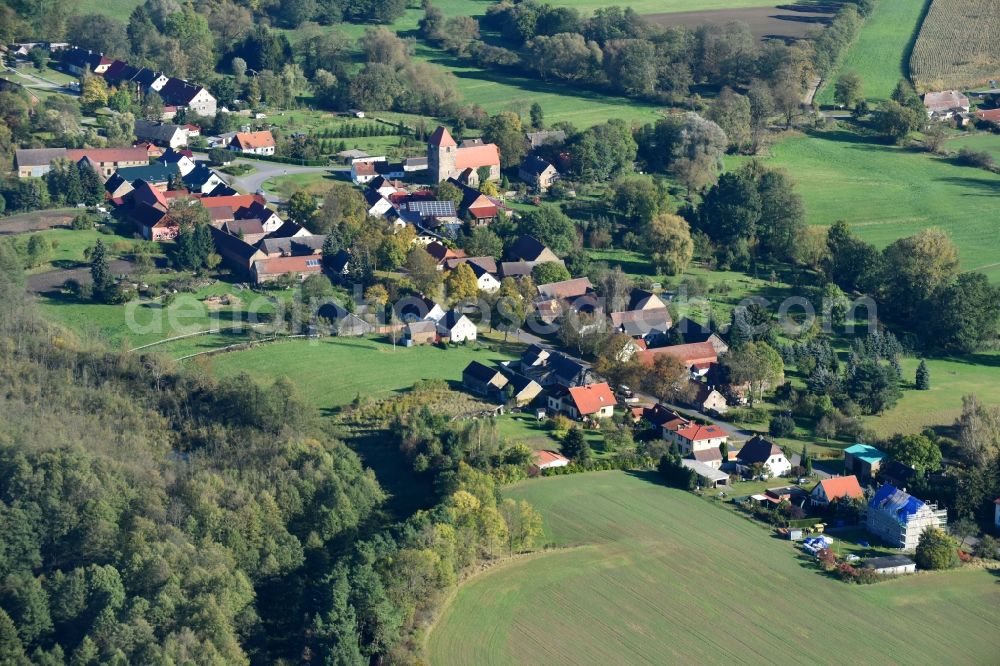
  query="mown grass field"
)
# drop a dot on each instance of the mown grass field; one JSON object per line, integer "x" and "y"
{"x": 145, "y": 321}
{"x": 652, "y": 575}
{"x": 331, "y": 371}
{"x": 881, "y": 52}
{"x": 886, "y": 192}
{"x": 983, "y": 141}
{"x": 959, "y": 45}
{"x": 942, "y": 404}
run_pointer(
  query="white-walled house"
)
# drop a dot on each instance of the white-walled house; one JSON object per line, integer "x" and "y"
{"x": 456, "y": 327}
{"x": 696, "y": 437}
{"x": 764, "y": 451}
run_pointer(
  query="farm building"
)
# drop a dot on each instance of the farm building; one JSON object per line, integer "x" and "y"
{"x": 548, "y": 460}
{"x": 828, "y": 490}
{"x": 420, "y": 333}
{"x": 863, "y": 460}
{"x": 891, "y": 565}
{"x": 707, "y": 399}
{"x": 594, "y": 401}
{"x": 761, "y": 450}
{"x": 537, "y": 172}
{"x": 484, "y": 380}
{"x": 711, "y": 457}
{"x": 709, "y": 477}
{"x": 698, "y": 357}
{"x": 945, "y": 104}
{"x": 899, "y": 518}
{"x": 525, "y": 389}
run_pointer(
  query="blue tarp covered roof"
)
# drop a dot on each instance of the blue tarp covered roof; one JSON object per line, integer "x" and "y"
{"x": 893, "y": 501}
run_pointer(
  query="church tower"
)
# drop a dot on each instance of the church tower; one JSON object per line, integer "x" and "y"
{"x": 441, "y": 155}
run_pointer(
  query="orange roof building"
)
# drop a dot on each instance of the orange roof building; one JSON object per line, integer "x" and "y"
{"x": 446, "y": 159}
{"x": 837, "y": 487}
{"x": 255, "y": 143}
{"x": 696, "y": 354}
{"x": 593, "y": 399}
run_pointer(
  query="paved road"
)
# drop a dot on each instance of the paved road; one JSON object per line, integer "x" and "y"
{"x": 254, "y": 181}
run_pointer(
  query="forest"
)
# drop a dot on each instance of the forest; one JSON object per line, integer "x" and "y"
{"x": 153, "y": 514}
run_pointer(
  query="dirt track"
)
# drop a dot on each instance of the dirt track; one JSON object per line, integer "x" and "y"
{"x": 37, "y": 221}
{"x": 778, "y": 22}
{"x": 53, "y": 280}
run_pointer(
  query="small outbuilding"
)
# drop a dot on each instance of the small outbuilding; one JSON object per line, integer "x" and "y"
{"x": 709, "y": 477}
{"x": 891, "y": 565}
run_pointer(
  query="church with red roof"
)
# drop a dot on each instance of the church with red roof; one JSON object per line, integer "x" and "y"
{"x": 448, "y": 159}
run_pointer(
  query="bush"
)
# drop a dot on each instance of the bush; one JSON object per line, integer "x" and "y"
{"x": 936, "y": 550}
{"x": 82, "y": 222}
{"x": 978, "y": 159}
{"x": 782, "y": 425}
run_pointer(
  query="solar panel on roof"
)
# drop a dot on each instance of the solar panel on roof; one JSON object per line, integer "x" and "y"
{"x": 433, "y": 208}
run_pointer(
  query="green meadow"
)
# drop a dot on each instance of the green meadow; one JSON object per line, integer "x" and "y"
{"x": 887, "y": 192}
{"x": 644, "y": 574}
{"x": 881, "y": 53}
{"x": 330, "y": 372}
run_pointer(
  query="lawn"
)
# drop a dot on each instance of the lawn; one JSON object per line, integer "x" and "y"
{"x": 942, "y": 404}
{"x": 886, "y": 192}
{"x": 331, "y": 371}
{"x": 69, "y": 245}
{"x": 982, "y": 141}
{"x": 652, "y": 575}
{"x": 881, "y": 53}
{"x": 142, "y": 322}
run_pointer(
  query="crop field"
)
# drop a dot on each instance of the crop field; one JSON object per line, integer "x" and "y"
{"x": 331, "y": 371}
{"x": 768, "y": 22}
{"x": 958, "y": 46}
{"x": 652, "y": 575}
{"x": 881, "y": 52}
{"x": 886, "y": 192}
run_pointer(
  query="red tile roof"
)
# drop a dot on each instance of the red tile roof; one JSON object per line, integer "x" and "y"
{"x": 293, "y": 264}
{"x": 442, "y": 138}
{"x": 696, "y": 353}
{"x": 990, "y": 114}
{"x": 591, "y": 398}
{"x": 474, "y": 157}
{"x": 253, "y": 140}
{"x": 109, "y": 154}
{"x": 696, "y": 433}
{"x": 841, "y": 486}
{"x": 545, "y": 458}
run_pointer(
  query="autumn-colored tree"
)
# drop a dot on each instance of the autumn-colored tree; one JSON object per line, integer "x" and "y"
{"x": 669, "y": 243}
{"x": 461, "y": 283}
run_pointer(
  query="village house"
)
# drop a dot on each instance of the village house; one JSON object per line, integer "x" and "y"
{"x": 532, "y": 252}
{"x": 253, "y": 143}
{"x": 945, "y": 104}
{"x": 164, "y": 134}
{"x": 36, "y": 162}
{"x": 343, "y": 323}
{"x": 697, "y": 357}
{"x": 180, "y": 93}
{"x": 378, "y": 205}
{"x": 593, "y": 401}
{"x": 706, "y": 399}
{"x": 898, "y": 518}
{"x": 552, "y": 368}
{"x": 537, "y": 172}
{"x": 446, "y": 159}
{"x": 697, "y": 437}
{"x": 565, "y": 290}
{"x": 547, "y": 460}
{"x": 758, "y": 449}
{"x": 456, "y": 327}
{"x": 647, "y": 325}
{"x": 541, "y": 138}
{"x": 443, "y": 254}
{"x": 712, "y": 457}
{"x": 863, "y": 460}
{"x": 484, "y": 380}
{"x": 694, "y": 332}
{"x": 837, "y": 487}
{"x": 418, "y": 308}
{"x": 420, "y": 333}
{"x": 667, "y": 420}
{"x": 184, "y": 163}
{"x": 80, "y": 62}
